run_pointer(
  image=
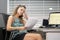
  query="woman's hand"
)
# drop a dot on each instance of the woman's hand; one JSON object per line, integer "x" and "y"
{"x": 25, "y": 15}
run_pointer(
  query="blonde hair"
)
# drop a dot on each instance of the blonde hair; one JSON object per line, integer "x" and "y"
{"x": 15, "y": 11}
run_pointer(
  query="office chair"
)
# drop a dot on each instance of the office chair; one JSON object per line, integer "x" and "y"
{"x": 3, "y": 22}
{"x": 8, "y": 34}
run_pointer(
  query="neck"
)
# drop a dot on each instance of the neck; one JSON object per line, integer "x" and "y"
{"x": 17, "y": 16}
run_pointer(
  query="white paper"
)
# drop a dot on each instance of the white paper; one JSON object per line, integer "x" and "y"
{"x": 30, "y": 23}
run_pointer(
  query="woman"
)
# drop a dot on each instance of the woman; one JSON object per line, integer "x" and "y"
{"x": 16, "y": 23}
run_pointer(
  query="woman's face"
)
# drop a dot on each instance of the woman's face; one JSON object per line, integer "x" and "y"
{"x": 21, "y": 10}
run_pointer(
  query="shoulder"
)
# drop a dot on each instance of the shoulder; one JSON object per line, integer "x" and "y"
{"x": 10, "y": 18}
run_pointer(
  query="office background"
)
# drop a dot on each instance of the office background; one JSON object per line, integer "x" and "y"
{"x": 35, "y": 8}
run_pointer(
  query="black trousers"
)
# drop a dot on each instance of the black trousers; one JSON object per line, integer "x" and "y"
{"x": 19, "y": 36}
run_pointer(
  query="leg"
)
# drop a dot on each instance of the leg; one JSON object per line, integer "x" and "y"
{"x": 33, "y": 36}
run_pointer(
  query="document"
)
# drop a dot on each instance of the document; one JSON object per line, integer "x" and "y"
{"x": 30, "y": 23}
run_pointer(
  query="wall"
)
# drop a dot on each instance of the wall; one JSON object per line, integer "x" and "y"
{"x": 3, "y": 6}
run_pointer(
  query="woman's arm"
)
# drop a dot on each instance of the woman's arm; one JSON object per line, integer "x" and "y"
{"x": 9, "y": 23}
{"x": 25, "y": 16}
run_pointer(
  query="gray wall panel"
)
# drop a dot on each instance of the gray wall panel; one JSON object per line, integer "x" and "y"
{"x": 3, "y": 6}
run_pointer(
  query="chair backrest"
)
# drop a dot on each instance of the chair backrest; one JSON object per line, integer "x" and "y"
{"x": 3, "y": 20}
{"x": 5, "y": 17}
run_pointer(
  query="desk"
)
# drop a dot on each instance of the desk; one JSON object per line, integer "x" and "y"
{"x": 51, "y": 33}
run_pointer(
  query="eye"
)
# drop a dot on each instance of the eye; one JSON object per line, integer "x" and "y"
{"x": 21, "y": 9}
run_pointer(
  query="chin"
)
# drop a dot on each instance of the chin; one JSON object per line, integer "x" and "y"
{"x": 20, "y": 15}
